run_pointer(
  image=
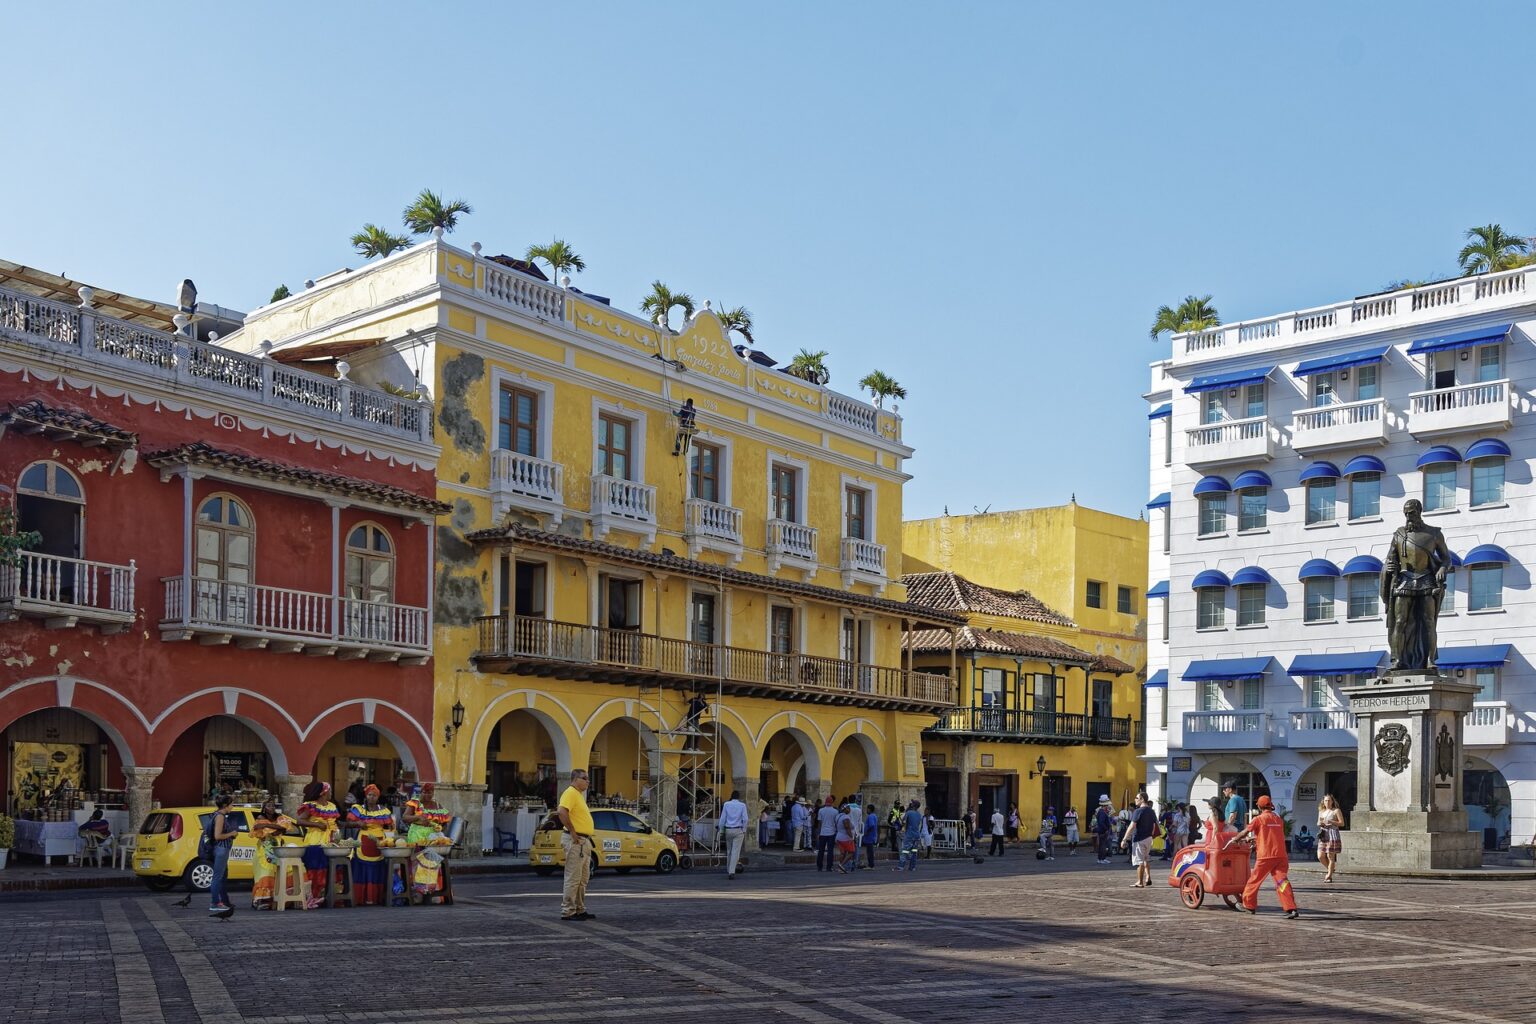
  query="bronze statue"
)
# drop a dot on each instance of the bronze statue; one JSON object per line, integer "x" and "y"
{"x": 1412, "y": 587}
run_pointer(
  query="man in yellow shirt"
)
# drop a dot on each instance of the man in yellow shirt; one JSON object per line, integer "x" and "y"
{"x": 577, "y": 843}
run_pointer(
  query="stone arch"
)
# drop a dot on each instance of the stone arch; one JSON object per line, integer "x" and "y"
{"x": 554, "y": 716}
{"x": 411, "y": 740}
{"x": 275, "y": 726}
{"x": 811, "y": 757}
{"x": 859, "y": 730}
{"x": 101, "y": 705}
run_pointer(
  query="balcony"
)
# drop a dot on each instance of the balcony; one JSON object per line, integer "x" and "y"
{"x": 793, "y": 544}
{"x": 1322, "y": 729}
{"x": 1014, "y": 726}
{"x": 863, "y": 558}
{"x": 524, "y": 482}
{"x": 1345, "y": 425}
{"x": 569, "y": 651}
{"x": 1465, "y": 407}
{"x": 707, "y": 524}
{"x": 291, "y": 621}
{"x": 66, "y": 592}
{"x": 1488, "y": 724}
{"x": 1246, "y": 440}
{"x": 622, "y": 505}
{"x": 1215, "y": 731}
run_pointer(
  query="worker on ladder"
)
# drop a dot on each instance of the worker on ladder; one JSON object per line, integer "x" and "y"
{"x": 687, "y": 426}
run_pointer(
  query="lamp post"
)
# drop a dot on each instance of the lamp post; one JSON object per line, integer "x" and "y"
{"x": 1039, "y": 767}
{"x": 450, "y": 730}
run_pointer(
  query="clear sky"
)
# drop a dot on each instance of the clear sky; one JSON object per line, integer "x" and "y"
{"x": 986, "y": 201}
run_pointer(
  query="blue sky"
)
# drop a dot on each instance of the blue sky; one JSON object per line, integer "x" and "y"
{"x": 987, "y": 201}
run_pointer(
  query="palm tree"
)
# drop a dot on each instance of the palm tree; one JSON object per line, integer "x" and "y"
{"x": 1490, "y": 250}
{"x": 428, "y": 211}
{"x": 279, "y": 293}
{"x": 811, "y": 366}
{"x": 375, "y": 241}
{"x": 1193, "y": 314}
{"x": 880, "y": 387}
{"x": 662, "y": 300}
{"x": 559, "y": 256}
{"x": 738, "y": 320}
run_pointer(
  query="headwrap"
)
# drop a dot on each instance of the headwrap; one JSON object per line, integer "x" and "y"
{"x": 325, "y": 790}
{"x": 427, "y": 789}
{"x": 370, "y": 790}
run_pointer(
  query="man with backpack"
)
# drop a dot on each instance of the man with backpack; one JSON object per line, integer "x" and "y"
{"x": 1138, "y": 836}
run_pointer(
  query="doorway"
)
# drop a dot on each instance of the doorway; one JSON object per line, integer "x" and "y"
{"x": 1345, "y": 789}
{"x": 1056, "y": 791}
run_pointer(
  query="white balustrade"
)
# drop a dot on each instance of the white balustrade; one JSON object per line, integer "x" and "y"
{"x": 624, "y": 499}
{"x": 1485, "y": 715}
{"x": 1259, "y": 330}
{"x": 791, "y": 540}
{"x": 527, "y": 476}
{"x": 852, "y": 412}
{"x": 1433, "y": 298}
{"x": 863, "y": 556}
{"x": 1342, "y": 414}
{"x": 1223, "y": 721}
{"x": 46, "y": 583}
{"x": 1204, "y": 341}
{"x": 28, "y": 315}
{"x": 379, "y": 622}
{"x": 1227, "y": 431}
{"x": 522, "y": 292}
{"x": 1463, "y": 396}
{"x": 280, "y": 613}
{"x": 1317, "y": 320}
{"x": 709, "y": 519}
{"x": 1322, "y": 718}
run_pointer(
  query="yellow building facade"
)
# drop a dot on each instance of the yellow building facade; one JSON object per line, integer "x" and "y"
{"x": 1050, "y": 665}
{"x": 684, "y": 601}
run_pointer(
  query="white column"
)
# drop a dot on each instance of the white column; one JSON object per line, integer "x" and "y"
{"x": 431, "y": 527}
{"x": 335, "y": 568}
{"x": 187, "y": 529}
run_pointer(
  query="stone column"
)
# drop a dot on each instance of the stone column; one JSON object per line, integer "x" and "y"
{"x": 290, "y": 791}
{"x": 140, "y": 783}
{"x": 465, "y": 800}
{"x": 664, "y": 803}
{"x": 817, "y": 791}
{"x": 748, "y": 788}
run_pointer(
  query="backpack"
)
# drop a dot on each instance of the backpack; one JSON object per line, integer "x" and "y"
{"x": 205, "y": 841}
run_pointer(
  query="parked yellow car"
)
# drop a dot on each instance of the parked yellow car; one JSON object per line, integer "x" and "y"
{"x": 621, "y": 841}
{"x": 166, "y": 850}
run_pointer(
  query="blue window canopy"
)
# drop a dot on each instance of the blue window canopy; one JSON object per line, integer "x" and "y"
{"x": 1456, "y": 562}
{"x": 1211, "y": 578}
{"x": 1350, "y": 663}
{"x": 1166, "y": 409}
{"x": 1159, "y": 590}
{"x": 1465, "y": 339}
{"x": 1488, "y": 448}
{"x": 1249, "y": 574}
{"x": 1320, "y": 471}
{"x": 1158, "y": 678}
{"x": 1161, "y": 501}
{"x": 1318, "y": 567}
{"x": 1361, "y": 564}
{"x": 1364, "y": 464}
{"x": 1251, "y": 478}
{"x": 1223, "y": 381}
{"x": 1490, "y": 656}
{"x": 1439, "y": 453}
{"x": 1486, "y": 554}
{"x": 1227, "y": 668}
{"x": 1212, "y": 485}
{"x": 1328, "y": 364}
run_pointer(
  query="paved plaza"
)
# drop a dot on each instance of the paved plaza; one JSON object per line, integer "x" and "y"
{"x": 1008, "y": 941}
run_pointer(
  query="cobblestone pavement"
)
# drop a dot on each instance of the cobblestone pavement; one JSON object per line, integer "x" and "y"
{"x": 1002, "y": 941}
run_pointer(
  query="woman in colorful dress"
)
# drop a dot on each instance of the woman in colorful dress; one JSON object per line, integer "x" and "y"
{"x": 1330, "y": 819}
{"x": 372, "y": 820}
{"x": 428, "y": 821}
{"x": 270, "y": 825}
{"x": 317, "y": 817}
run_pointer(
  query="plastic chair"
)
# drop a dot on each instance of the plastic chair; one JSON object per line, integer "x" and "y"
{"x": 122, "y": 850}
{"x": 291, "y": 869}
{"x": 91, "y": 849}
{"x": 503, "y": 839}
{"x": 338, "y": 868}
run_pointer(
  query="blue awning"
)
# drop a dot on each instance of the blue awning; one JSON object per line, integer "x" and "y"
{"x": 1491, "y": 656}
{"x": 1227, "y": 668}
{"x": 1212, "y": 485}
{"x": 1222, "y": 381}
{"x": 1455, "y": 560}
{"x": 1317, "y": 567}
{"x": 1251, "y": 478}
{"x": 1327, "y": 364}
{"x": 1211, "y": 578}
{"x": 1488, "y": 448}
{"x": 1166, "y": 409}
{"x": 1251, "y": 574}
{"x": 1364, "y": 464}
{"x": 1159, "y": 590}
{"x": 1349, "y": 663}
{"x": 1320, "y": 471}
{"x": 1161, "y": 501}
{"x": 1485, "y": 554}
{"x": 1439, "y": 453}
{"x": 1465, "y": 339}
{"x": 1362, "y": 563}
{"x": 1158, "y": 678}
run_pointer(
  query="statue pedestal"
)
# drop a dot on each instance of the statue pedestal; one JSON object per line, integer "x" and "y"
{"x": 1409, "y": 816}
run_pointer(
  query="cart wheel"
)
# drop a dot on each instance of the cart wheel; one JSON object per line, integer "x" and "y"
{"x": 1192, "y": 892}
{"x": 685, "y": 862}
{"x": 1232, "y": 902}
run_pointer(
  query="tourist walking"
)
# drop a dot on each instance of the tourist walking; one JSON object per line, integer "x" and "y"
{"x": 998, "y": 832}
{"x": 733, "y": 830}
{"x": 1235, "y": 813}
{"x": 1138, "y": 836}
{"x": 927, "y": 834}
{"x": 972, "y": 837}
{"x": 221, "y": 836}
{"x": 856, "y": 817}
{"x": 871, "y": 835}
{"x": 799, "y": 820}
{"x": 826, "y": 837}
{"x": 1178, "y": 829}
{"x": 1330, "y": 819}
{"x": 1048, "y": 833}
{"x": 1069, "y": 822}
{"x": 1013, "y": 823}
{"x": 576, "y": 841}
{"x": 847, "y": 841}
{"x": 1103, "y": 829}
{"x": 913, "y": 826}
{"x": 1268, "y": 833}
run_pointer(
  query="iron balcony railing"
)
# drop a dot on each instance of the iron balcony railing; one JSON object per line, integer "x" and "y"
{"x": 1053, "y": 726}
{"x": 626, "y": 652}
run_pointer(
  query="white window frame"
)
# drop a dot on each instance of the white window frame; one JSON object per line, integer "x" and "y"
{"x": 799, "y": 630}
{"x": 1495, "y": 681}
{"x": 1247, "y": 397}
{"x": 1167, "y": 439}
{"x": 722, "y": 612}
{"x": 1498, "y": 365}
{"x": 1248, "y": 590}
{"x": 1318, "y": 694}
{"x": 1361, "y": 581}
{"x": 1167, "y": 511}
{"x": 802, "y": 486}
{"x": 1204, "y": 500}
{"x": 1350, "y": 501}
{"x": 53, "y": 467}
{"x": 1201, "y": 595}
{"x": 1448, "y": 602}
{"x": 1264, "y": 492}
{"x": 1208, "y": 695}
{"x": 1473, "y": 572}
{"x": 1212, "y": 409}
{"x": 1306, "y": 510}
{"x": 546, "y": 392}
{"x": 727, "y": 460}
{"x": 1324, "y": 391}
{"x": 1472, "y": 468}
{"x": 871, "y": 506}
{"x": 1375, "y": 371}
{"x": 511, "y": 558}
{"x": 1318, "y": 582}
{"x": 639, "y": 435}
{"x": 1424, "y": 486}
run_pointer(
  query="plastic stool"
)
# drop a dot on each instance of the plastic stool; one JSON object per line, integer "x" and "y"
{"x": 291, "y": 869}
{"x": 338, "y": 864}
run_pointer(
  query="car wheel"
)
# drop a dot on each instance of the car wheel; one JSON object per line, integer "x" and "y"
{"x": 594, "y": 862}
{"x": 543, "y": 872}
{"x": 157, "y": 884}
{"x": 198, "y": 876}
{"x": 666, "y": 863}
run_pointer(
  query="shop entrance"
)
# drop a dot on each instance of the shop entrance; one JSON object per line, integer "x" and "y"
{"x": 217, "y": 755}
{"x": 1345, "y": 789}
{"x": 55, "y": 760}
{"x": 992, "y": 792}
{"x": 1056, "y": 791}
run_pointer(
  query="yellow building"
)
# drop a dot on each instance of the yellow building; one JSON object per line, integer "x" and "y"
{"x": 1050, "y": 705}
{"x": 605, "y": 567}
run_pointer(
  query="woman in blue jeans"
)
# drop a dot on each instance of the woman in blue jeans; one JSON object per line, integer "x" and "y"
{"x": 221, "y": 831}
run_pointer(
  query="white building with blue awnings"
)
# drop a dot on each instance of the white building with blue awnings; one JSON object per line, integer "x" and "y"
{"x": 1281, "y": 453}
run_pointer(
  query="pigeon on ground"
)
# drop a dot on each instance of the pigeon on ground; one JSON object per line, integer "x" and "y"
{"x": 187, "y": 902}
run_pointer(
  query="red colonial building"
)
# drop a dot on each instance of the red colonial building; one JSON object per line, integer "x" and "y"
{"x": 231, "y": 578}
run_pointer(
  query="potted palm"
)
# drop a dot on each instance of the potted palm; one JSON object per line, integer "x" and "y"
{"x": 7, "y": 839}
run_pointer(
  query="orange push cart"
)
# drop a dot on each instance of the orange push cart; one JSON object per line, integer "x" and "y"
{"x": 1206, "y": 868}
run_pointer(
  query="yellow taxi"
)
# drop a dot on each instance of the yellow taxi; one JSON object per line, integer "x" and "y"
{"x": 620, "y": 840}
{"x": 166, "y": 850}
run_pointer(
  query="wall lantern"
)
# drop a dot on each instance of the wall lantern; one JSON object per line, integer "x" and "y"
{"x": 456, "y": 724}
{"x": 1039, "y": 767}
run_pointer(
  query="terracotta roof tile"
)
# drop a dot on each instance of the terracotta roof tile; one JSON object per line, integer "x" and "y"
{"x": 1041, "y": 648}
{"x": 35, "y": 417}
{"x": 952, "y": 591}
{"x": 1107, "y": 663}
{"x": 200, "y": 454}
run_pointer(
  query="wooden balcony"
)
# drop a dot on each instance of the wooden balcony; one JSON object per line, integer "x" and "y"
{"x": 291, "y": 621}
{"x": 542, "y": 647}
{"x": 1058, "y": 728}
{"x": 66, "y": 592}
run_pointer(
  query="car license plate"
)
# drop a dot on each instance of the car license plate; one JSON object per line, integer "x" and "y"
{"x": 546, "y": 859}
{"x": 145, "y": 865}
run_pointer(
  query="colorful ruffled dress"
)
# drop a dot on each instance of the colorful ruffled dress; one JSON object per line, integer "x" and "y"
{"x": 368, "y": 872}
{"x": 427, "y": 877}
{"x": 267, "y": 834}
{"x": 315, "y": 861}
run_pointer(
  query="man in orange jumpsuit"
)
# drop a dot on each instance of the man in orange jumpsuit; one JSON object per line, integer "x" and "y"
{"x": 1268, "y": 833}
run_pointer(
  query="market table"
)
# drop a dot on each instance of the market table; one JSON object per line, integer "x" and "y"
{"x": 47, "y": 839}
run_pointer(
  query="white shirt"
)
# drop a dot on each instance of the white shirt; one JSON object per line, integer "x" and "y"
{"x": 733, "y": 814}
{"x": 997, "y": 823}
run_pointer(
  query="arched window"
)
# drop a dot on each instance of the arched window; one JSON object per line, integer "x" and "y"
{"x": 226, "y": 540}
{"x": 50, "y": 500}
{"x": 370, "y": 564}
